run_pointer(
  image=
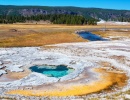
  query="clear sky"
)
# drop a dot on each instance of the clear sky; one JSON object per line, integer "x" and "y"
{"x": 111, "y": 4}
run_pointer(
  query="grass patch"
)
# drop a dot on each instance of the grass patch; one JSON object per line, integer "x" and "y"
{"x": 37, "y": 35}
{"x": 115, "y": 34}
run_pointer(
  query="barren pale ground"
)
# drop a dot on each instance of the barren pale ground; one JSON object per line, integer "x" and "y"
{"x": 101, "y": 67}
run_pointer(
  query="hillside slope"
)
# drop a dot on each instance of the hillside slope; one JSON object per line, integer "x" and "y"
{"x": 98, "y": 13}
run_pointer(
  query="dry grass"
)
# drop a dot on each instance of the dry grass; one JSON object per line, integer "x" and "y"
{"x": 33, "y": 26}
{"x": 40, "y": 39}
{"x": 107, "y": 80}
{"x": 38, "y": 35}
{"x": 115, "y": 34}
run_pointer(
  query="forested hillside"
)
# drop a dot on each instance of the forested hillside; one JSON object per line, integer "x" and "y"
{"x": 60, "y": 15}
{"x": 53, "y": 18}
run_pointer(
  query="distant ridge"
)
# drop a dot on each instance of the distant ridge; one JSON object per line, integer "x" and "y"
{"x": 97, "y": 13}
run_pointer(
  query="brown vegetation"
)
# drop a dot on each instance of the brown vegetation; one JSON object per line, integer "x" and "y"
{"x": 13, "y": 35}
{"x": 114, "y": 35}
{"x": 36, "y": 35}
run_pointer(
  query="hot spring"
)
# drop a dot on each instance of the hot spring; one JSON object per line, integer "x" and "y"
{"x": 52, "y": 71}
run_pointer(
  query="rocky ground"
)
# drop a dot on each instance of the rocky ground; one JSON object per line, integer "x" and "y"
{"x": 84, "y": 57}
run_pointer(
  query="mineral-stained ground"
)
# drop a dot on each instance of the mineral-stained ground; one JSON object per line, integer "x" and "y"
{"x": 101, "y": 70}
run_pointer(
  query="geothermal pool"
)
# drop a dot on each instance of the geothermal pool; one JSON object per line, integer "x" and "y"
{"x": 91, "y": 37}
{"x": 96, "y": 66}
{"x": 52, "y": 71}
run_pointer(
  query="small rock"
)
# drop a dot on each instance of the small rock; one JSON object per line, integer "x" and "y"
{"x": 1, "y": 63}
{"x": 13, "y": 30}
{"x": 1, "y": 67}
{"x": 127, "y": 96}
{"x": 14, "y": 68}
{"x": 2, "y": 72}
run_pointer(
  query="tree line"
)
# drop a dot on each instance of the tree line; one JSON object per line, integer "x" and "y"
{"x": 53, "y": 18}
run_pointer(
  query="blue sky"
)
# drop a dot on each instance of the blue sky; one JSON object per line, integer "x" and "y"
{"x": 111, "y": 4}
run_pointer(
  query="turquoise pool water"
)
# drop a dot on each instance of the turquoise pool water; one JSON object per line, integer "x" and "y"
{"x": 52, "y": 71}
